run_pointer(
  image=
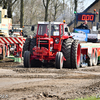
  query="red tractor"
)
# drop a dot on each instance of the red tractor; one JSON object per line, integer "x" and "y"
{"x": 52, "y": 43}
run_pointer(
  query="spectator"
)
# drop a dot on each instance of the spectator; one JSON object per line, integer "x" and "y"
{"x": 30, "y": 36}
{"x": 98, "y": 25}
{"x": 83, "y": 25}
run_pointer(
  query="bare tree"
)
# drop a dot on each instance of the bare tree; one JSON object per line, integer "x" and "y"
{"x": 63, "y": 10}
{"x": 40, "y": 10}
{"x": 80, "y": 5}
{"x": 7, "y": 4}
{"x": 55, "y": 9}
{"x": 21, "y": 14}
{"x": 75, "y": 2}
{"x": 33, "y": 12}
{"x": 16, "y": 12}
{"x": 57, "y": 4}
{"x": 0, "y": 2}
{"x": 46, "y": 5}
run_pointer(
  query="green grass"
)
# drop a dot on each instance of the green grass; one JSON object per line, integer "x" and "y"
{"x": 88, "y": 98}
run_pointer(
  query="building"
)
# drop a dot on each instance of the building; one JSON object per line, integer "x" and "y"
{"x": 90, "y": 9}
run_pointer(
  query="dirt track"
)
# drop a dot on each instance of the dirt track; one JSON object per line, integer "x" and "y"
{"x": 18, "y": 83}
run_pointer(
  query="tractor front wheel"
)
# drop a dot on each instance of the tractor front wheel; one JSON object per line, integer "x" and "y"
{"x": 27, "y": 59}
{"x": 59, "y": 60}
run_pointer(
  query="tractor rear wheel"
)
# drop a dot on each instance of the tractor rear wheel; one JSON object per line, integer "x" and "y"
{"x": 75, "y": 54}
{"x": 27, "y": 59}
{"x": 26, "y": 45}
{"x": 32, "y": 44}
{"x": 59, "y": 60}
{"x": 66, "y": 49}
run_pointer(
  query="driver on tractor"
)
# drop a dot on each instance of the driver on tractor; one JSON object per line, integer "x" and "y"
{"x": 52, "y": 30}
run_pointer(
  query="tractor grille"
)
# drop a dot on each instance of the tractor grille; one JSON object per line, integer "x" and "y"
{"x": 43, "y": 41}
{"x": 44, "y": 45}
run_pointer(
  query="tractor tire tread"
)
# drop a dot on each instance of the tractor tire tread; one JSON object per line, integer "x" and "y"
{"x": 27, "y": 59}
{"x": 32, "y": 44}
{"x": 74, "y": 54}
{"x": 26, "y": 46}
{"x": 66, "y": 49}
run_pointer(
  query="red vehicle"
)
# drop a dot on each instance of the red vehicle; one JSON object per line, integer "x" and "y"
{"x": 7, "y": 41}
{"x": 6, "y": 45}
{"x": 52, "y": 43}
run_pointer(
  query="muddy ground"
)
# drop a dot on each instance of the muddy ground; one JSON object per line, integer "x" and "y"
{"x": 47, "y": 82}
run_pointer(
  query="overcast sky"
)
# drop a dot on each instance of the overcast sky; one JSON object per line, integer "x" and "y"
{"x": 88, "y": 3}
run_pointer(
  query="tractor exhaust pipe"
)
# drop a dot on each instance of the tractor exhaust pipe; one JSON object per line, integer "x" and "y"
{"x": 49, "y": 29}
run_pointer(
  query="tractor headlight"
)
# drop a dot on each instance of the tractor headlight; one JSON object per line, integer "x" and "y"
{"x": 57, "y": 40}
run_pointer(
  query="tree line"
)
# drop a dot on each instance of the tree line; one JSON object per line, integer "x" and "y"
{"x": 29, "y": 12}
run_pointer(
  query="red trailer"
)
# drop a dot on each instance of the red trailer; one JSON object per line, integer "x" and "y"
{"x": 8, "y": 44}
{"x": 11, "y": 45}
{"x": 90, "y": 53}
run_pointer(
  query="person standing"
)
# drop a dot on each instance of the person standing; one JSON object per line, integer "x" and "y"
{"x": 83, "y": 25}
